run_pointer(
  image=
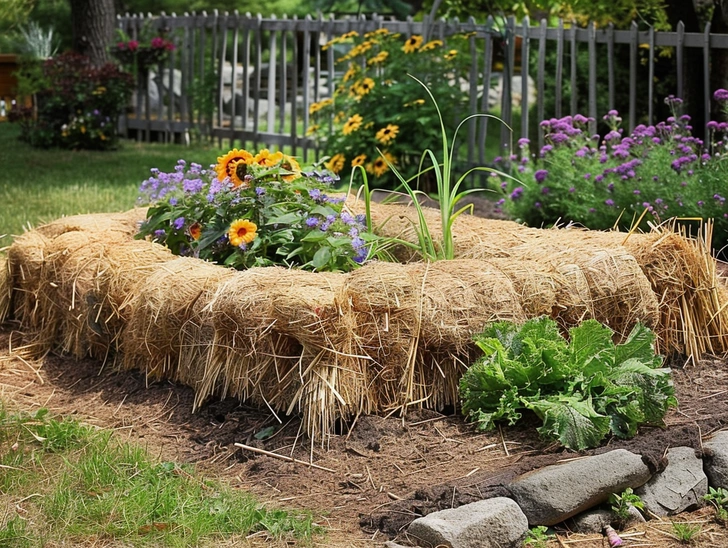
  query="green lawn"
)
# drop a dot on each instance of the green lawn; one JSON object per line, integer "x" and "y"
{"x": 38, "y": 186}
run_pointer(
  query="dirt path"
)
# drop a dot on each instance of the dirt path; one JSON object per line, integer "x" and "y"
{"x": 383, "y": 473}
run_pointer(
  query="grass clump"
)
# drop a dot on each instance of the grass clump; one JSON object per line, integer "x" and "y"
{"x": 686, "y": 533}
{"x": 72, "y": 482}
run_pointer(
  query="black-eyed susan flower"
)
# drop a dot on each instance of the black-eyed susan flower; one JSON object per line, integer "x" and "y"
{"x": 242, "y": 232}
{"x": 352, "y": 124}
{"x": 379, "y": 58}
{"x": 362, "y": 87}
{"x": 359, "y": 160}
{"x": 450, "y": 54}
{"x": 412, "y": 44}
{"x": 336, "y": 163}
{"x": 381, "y": 165}
{"x": 227, "y": 165}
{"x": 315, "y": 107}
{"x": 350, "y": 73}
{"x": 387, "y": 134}
{"x": 415, "y": 103}
{"x": 312, "y": 129}
{"x": 432, "y": 44}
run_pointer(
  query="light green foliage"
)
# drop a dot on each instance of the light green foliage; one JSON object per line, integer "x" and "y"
{"x": 84, "y": 483}
{"x": 621, "y": 503}
{"x": 686, "y": 532}
{"x": 719, "y": 499}
{"x": 582, "y": 390}
{"x": 377, "y": 106}
{"x": 538, "y": 537}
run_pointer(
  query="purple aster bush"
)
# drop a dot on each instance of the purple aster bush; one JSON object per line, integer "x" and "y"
{"x": 661, "y": 169}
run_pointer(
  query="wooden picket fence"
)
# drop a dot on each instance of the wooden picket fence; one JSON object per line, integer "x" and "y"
{"x": 250, "y": 80}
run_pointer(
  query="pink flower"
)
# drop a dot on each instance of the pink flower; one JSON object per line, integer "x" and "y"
{"x": 157, "y": 42}
{"x": 122, "y": 45}
{"x": 132, "y": 45}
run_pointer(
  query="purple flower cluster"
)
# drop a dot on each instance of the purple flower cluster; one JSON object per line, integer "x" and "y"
{"x": 190, "y": 180}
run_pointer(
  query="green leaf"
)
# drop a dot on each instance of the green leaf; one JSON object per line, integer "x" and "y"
{"x": 321, "y": 258}
{"x": 572, "y": 421}
{"x": 640, "y": 344}
{"x": 591, "y": 347}
{"x": 285, "y": 219}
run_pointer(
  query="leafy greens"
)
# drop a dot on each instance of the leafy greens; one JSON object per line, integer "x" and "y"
{"x": 582, "y": 389}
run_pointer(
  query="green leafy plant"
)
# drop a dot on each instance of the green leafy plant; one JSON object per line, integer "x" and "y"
{"x": 582, "y": 389}
{"x": 620, "y": 504}
{"x": 719, "y": 499}
{"x": 686, "y": 532}
{"x": 257, "y": 210}
{"x": 537, "y": 537}
{"x": 376, "y": 106}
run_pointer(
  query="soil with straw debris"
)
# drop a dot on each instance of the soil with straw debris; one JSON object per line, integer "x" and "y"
{"x": 381, "y": 474}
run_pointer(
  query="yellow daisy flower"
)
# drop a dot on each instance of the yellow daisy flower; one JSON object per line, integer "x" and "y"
{"x": 361, "y": 49}
{"x": 241, "y": 232}
{"x": 387, "y": 134}
{"x": 412, "y": 44}
{"x": 379, "y": 58}
{"x": 451, "y": 54}
{"x": 312, "y": 129}
{"x": 350, "y": 34}
{"x": 415, "y": 103}
{"x": 351, "y": 73}
{"x": 379, "y": 167}
{"x": 432, "y": 44}
{"x": 359, "y": 160}
{"x": 315, "y": 107}
{"x": 352, "y": 124}
{"x": 336, "y": 163}
{"x": 227, "y": 165}
{"x": 363, "y": 87}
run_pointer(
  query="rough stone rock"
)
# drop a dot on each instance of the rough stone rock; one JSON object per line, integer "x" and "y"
{"x": 715, "y": 464}
{"x": 681, "y": 486}
{"x": 552, "y": 494}
{"x": 490, "y": 523}
{"x": 594, "y": 521}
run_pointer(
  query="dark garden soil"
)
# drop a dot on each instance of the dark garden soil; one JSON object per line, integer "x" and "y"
{"x": 381, "y": 474}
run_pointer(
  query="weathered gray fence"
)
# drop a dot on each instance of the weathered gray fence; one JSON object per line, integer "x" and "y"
{"x": 251, "y": 80}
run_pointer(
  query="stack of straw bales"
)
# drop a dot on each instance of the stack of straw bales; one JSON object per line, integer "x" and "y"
{"x": 383, "y": 338}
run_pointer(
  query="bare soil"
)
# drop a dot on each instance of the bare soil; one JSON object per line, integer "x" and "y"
{"x": 382, "y": 473}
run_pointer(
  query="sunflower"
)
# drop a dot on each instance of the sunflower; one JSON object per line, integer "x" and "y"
{"x": 352, "y": 124}
{"x": 412, "y": 44}
{"x": 227, "y": 165}
{"x": 336, "y": 163}
{"x": 195, "y": 231}
{"x": 359, "y": 160}
{"x": 387, "y": 134}
{"x": 289, "y": 164}
{"x": 242, "y": 231}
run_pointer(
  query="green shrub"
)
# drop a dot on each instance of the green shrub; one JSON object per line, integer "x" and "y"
{"x": 77, "y": 104}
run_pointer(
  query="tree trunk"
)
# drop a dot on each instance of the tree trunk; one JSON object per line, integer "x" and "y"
{"x": 93, "y": 28}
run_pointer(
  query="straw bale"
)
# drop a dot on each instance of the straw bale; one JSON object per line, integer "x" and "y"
{"x": 26, "y": 259}
{"x": 123, "y": 224}
{"x": 164, "y": 317}
{"x": 414, "y": 323}
{"x": 6, "y": 288}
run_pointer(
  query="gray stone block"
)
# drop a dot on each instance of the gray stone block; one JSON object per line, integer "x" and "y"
{"x": 550, "y": 495}
{"x": 715, "y": 464}
{"x": 490, "y": 523}
{"x": 680, "y": 486}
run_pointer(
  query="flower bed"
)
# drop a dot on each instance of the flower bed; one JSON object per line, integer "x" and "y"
{"x": 384, "y": 337}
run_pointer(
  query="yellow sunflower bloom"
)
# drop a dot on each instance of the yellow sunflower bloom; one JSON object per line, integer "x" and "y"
{"x": 359, "y": 160}
{"x": 336, "y": 163}
{"x": 227, "y": 165}
{"x": 361, "y": 49}
{"x": 267, "y": 158}
{"x": 241, "y": 232}
{"x": 412, "y": 44}
{"x": 432, "y": 44}
{"x": 387, "y": 134}
{"x": 352, "y": 124}
{"x": 380, "y": 166}
{"x": 350, "y": 34}
{"x": 290, "y": 164}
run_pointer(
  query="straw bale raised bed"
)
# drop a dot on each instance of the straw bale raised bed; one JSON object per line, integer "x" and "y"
{"x": 383, "y": 338}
